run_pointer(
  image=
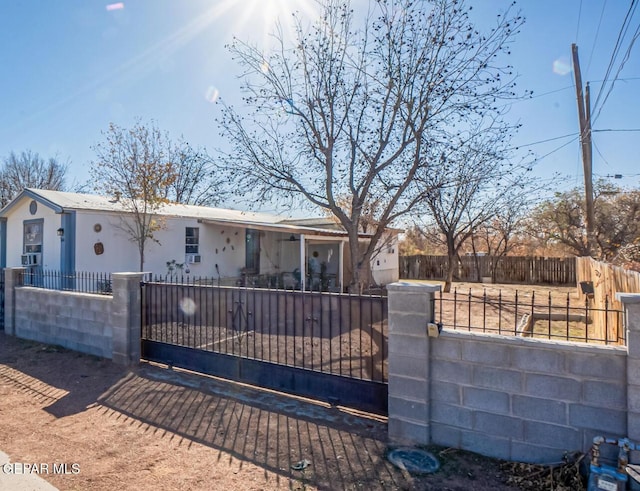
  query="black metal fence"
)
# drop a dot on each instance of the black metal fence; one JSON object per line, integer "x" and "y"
{"x": 332, "y": 333}
{"x": 76, "y": 281}
{"x": 530, "y": 315}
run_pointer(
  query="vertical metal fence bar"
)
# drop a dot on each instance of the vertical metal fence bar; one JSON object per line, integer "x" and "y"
{"x": 606, "y": 319}
{"x": 278, "y": 327}
{"x": 230, "y": 306}
{"x": 186, "y": 318}
{"x": 286, "y": 316}
{"x": 371, "y": 324}
{"x": 549, "y": 322}
{"x": 314, "y": 320}
{"x": 201, "y": 316}
{"x": 219, "y": 309}
{"x": 305, "y": 322}
{"x": 533, "y": 319}
{"x": 586, "y": 319}
{"x": 322, "y": 328}
{"x": 568, "y": 314}
{"x": 331, "y": 303}
{"x": 500, "y": 311}
{"x": 484, "y": 310}
{"x": 360, "y": 326}
{"x": 295, "y": 322}
{"x": 515, "y": 315}
{"x": 349, "y": 334}
{"x": 469, "y": 312}
{"x": 455, "y": 308}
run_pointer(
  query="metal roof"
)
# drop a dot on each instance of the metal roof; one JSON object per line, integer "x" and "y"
{"x": 61, "y": 201}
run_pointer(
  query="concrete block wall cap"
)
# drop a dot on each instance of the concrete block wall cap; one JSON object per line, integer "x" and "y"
{"x": 130, "y": 274}
{"x": 628, "y": 297}
{"x": 416, "y": 286}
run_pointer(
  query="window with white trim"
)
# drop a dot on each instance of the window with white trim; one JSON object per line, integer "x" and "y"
{"x": 32, "y": 237}
{"x": 192, "y": 240}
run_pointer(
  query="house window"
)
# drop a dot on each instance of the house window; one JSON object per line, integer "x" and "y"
{"x": 252, "y": 251}
{"x": 32, "y": 237}
{"x": 192, "y": 240}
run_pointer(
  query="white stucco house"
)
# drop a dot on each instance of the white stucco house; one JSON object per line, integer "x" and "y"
{"x": 66, "y": 232}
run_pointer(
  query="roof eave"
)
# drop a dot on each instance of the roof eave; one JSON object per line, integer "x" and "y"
{"x": 35, "y": 196}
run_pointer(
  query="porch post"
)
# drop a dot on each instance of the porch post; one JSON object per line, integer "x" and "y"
{"x": 303, "y": 262}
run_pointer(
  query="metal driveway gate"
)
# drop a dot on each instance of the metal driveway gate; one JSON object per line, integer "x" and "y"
{"x": 326, "y": 346}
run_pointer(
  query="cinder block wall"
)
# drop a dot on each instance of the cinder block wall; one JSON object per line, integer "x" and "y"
{"x": 523, "y": 399}
{"x": 77, "y": 321}
{"x": 507, "y": 397}
{"x": 107, "y": 326}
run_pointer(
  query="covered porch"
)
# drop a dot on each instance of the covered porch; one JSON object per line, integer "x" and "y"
{"x": 285, "y": 256}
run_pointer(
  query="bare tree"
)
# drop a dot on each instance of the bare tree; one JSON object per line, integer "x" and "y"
{"x": 503, "y": 233}
{"x": 29, "y": 170}
{"x": 477, "y": 184}
{"x": 358, "y": 110}
{"x": 135, "y": 167}
{"x": 195, "y": 182}
{"x": 561, "y": 220}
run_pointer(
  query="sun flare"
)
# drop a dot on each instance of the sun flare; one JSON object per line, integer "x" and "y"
{"x": 259, "y": 18}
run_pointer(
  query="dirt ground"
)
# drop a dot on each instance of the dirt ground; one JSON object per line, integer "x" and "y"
{"x": 157, "y": 429}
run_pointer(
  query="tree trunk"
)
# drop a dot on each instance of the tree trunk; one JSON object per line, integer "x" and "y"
{"x": 452, "y": 255}
{"x": 361, "y": 274}
{"x": 141, "y": 251}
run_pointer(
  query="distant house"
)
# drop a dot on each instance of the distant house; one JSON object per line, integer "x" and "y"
{"x": 62, "y": 231}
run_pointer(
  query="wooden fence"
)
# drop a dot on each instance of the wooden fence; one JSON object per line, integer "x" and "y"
{"x": 605, "y": 280}
{"x": 508, "y": 269}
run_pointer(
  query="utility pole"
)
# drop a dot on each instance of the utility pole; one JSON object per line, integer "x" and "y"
{"x": 584, "y": 115}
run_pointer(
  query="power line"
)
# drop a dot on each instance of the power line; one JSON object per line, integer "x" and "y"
{"x": 600, "y": 153}
{"x": 626, "y": 79}
{"x": 578, "y": 25}
{"x": 618, "y": 130}
{"x": 595, "y": 39}
{"x": 622, "y": 63}
{"x": 542, "y": 141}
{"x": 537, "y": 159}
{"x": 535, "y": 96}
{"x": 616, "y": 50}
{"x": 549, "y": 92}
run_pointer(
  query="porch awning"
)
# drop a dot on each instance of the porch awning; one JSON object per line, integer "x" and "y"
{"x": 278, "y": 227}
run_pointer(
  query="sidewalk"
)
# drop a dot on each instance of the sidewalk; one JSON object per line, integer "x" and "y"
{"x": 12, "y": 477}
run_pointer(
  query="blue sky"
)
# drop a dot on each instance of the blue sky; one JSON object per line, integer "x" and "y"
{"x": 69, "y": 67}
